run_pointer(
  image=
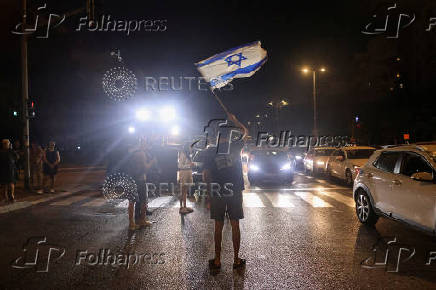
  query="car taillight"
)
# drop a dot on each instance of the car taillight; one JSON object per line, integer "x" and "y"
{"x": 358, "y": 170}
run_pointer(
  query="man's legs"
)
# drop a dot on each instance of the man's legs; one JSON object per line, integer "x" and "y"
{"x": 52, "y": 181}
{"x": 218, "y": 238}
{"x": 12, "y": 188}
{"x": 236, "y": 238}
{"x": 131, "y": 211}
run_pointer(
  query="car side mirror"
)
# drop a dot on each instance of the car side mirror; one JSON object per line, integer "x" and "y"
{"x": 340, "y": 158}
{"x": 422, "y": 176}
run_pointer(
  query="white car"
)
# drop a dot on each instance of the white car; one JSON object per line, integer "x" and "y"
{"x": 399, "y": 183}
{"x": 316, "y": 159}
{"x": 345, "y": 161}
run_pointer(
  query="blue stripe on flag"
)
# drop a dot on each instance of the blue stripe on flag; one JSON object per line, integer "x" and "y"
{"x": 223, "y": 54}
{"x": 242, "y": 70}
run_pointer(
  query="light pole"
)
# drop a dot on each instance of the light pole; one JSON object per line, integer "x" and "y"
{"x": 315, "y": 116}
{"x": 25, "y": 96}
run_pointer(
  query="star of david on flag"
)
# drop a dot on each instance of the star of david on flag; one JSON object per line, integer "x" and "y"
{"x": 239, "y": 62}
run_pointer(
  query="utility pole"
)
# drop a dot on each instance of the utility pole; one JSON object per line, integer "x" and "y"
{"x": 25, "y": 97}
{"x": 315, "y": 125}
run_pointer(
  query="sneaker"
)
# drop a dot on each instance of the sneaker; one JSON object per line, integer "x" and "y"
{"x": 39, "y": 191}
{"x": 145, "y": 223}
{"x": 133, "y": 227}
{"x": 183, "y": 210}
{"x": 52, "y": 190}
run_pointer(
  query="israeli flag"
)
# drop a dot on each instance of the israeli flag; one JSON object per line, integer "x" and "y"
{"x": 239, "y": 62}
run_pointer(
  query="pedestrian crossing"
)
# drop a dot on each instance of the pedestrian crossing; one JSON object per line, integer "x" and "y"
{"x": 280, "y": 198}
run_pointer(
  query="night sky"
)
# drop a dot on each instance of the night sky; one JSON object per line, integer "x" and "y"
{"x": 65, "y": 70}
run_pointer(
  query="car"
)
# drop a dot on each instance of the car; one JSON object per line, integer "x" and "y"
{"x": 344, "y": 162}
{"x": 316, "y": 159}
{"x": 399, "y": 183}
{"x": 268, "y": 165}
{"x": 297, "y": 156}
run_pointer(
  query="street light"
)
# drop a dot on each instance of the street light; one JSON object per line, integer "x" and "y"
{"x": 306, "y": 70}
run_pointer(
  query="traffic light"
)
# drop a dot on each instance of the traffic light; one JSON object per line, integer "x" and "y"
{"x": 30, "y": 108}
{"x": 357, "y": 121}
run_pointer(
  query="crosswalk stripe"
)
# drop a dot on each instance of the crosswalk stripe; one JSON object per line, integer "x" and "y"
{"x": 56, "y": 195}
{"x": 73, "y": 199}
{"x": 280, "y": 200}
{"x": 348, "y": 201}
{"x": 160, "y": 201}
{"x": 313, "y": 200}
{"x": 251, "y": 199}
{"x": 96, "y": 202}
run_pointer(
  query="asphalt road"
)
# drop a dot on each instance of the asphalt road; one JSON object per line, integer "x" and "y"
{"x": 304, "y": 235}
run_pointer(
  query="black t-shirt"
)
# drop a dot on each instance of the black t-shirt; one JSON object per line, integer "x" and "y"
{"x": 226, "y": 168}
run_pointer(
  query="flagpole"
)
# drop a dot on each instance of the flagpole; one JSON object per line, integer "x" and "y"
{"x": 220, "y": 102}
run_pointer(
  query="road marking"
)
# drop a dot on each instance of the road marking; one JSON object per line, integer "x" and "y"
{"x": 348, "y": 201}
{"x": 312, "y": 199}
{"x": 53, "y": 196}
{"x": 160, "y": 201}
{"x": 96, "y": 202}
{"x": 251, "y": 199}
{"x": 74, "y": 198}
{"x": 280, "y": 200}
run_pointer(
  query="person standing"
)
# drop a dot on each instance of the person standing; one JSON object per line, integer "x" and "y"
{"x": 36, "y": 161}
{"x": 185, "y": 177}
{"x": 51, "y": 160}
{"x": 225, "y": 171}
{"x": 139, "y": 164}
{"x": 8, "y": 169}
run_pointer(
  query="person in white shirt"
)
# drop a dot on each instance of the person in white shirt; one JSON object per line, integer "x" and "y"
{"x": 185, "y": 177}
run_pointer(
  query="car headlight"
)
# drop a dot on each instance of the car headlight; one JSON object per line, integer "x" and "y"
{"x": 287, "y": 166}
{"x": 254, "y": 167}
{"x": 320, "y": 163}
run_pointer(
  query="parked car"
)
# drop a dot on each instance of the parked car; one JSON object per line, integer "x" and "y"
{"x": 316, "y": 159}
{"x": 344, "y": 162}
{"x": 399, "y": 183}
{"x": 268, "y": 165}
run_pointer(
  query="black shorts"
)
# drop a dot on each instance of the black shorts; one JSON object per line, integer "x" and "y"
{"x": 230, "y": 204}
{"x": 142, "y": 196}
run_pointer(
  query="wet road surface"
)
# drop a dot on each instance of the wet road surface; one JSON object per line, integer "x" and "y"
{"x": 304, "y": 235}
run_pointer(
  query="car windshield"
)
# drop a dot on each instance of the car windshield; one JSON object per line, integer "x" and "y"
{"x": 323, "y": 152}
{"x": 359, "y": 153}
{"x": 270, "y": 154}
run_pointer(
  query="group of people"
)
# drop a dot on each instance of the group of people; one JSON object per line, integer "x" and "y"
{"x": 43, "y": 167}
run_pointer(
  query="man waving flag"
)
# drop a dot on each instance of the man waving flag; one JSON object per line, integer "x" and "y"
{"x": 239, "y": 62}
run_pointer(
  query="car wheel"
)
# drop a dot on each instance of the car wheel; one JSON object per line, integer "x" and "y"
{"x": 348, "y": 177}
{"x": 364, "y": 210}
